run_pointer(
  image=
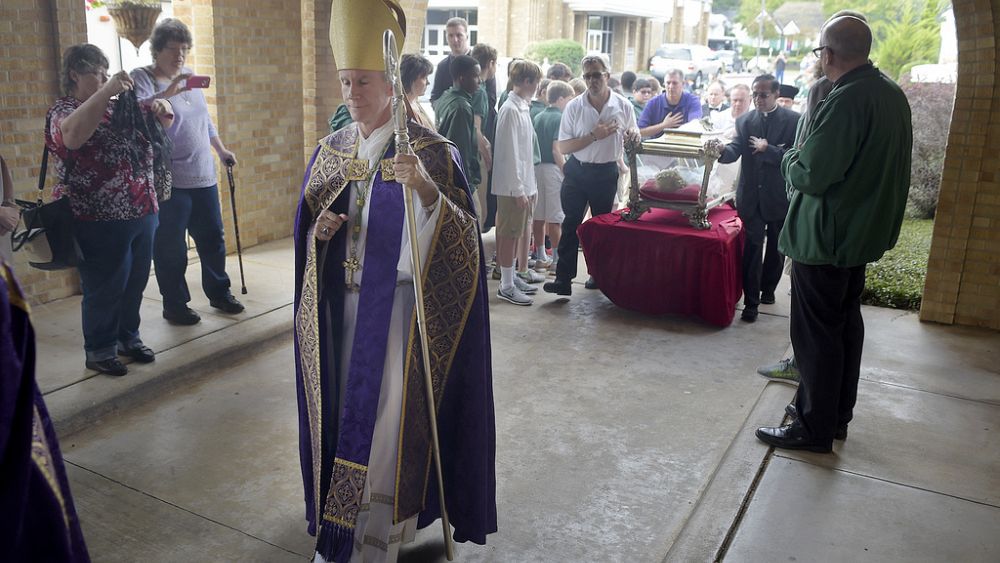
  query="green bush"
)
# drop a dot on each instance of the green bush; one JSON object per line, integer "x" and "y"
{"x": 897, "y": 280}
{"x": 564, "y": 51}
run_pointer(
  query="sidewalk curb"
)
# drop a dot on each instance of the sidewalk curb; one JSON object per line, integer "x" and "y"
{"x": 709, "y": 523}
{"x": 79, "y": 406}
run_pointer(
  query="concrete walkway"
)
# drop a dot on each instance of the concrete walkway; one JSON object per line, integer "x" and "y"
{"x": 631, "y": 439}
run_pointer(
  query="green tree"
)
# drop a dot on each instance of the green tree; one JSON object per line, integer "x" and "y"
{"x": 906, "y": 32}
{"x": 750, "y": 9}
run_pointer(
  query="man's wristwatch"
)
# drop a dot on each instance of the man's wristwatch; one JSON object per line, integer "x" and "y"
{"x": 593, "y": 137}
{"x": 8, "y": 203}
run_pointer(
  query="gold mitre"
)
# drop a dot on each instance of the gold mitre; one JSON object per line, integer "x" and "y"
{"x": 356, "y": 28}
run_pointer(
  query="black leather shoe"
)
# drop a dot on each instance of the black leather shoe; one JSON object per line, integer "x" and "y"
{"x": 749, "y": 314}
{"x": 591, "y": 283}
{"x": 558, "y": 287}
{"x": 186, "y": 316}
{"x": 767, "y": 298}
{"x": 793, "y": 413}
{"x": 141, "y": 353}
{"x": 227, "y": 304}
{"x": 792, "y": 437}
{"x": 110, "y": 366}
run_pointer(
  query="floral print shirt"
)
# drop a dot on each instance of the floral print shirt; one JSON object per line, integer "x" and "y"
{"x": 98, "y": 177}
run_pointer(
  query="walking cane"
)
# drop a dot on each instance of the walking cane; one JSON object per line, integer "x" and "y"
{"x": 236, "y": 224}
{"x": 403, "y": 147}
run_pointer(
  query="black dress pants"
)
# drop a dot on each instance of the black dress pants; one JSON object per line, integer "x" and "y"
{"x": 762, "y": 262}
{"x": 583, "y": 185}
{"x": 827, "y": 337}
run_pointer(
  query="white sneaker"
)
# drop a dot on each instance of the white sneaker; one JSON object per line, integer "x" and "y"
{"x": 542, "y": 266}
{"x": 514, "y": 296}
{"x": 523, "y": 286}
{"x": 531, "y": 276}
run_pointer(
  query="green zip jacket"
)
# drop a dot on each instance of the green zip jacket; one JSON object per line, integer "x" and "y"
{"x": 455, "y": 122}
{"x": 850, "y": 178}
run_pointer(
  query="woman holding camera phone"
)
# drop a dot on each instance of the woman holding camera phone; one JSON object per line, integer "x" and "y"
{"x": 194, "y": 202}
{"x": 113, "y": 201}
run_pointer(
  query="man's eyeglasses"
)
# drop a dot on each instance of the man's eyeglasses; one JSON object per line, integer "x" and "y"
{"x": 593, "y": 75}
{"x": 757, "y": 95}
{"x": 816, "y": 52}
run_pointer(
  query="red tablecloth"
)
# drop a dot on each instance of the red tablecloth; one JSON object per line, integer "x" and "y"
{"x": 660, "y": 264}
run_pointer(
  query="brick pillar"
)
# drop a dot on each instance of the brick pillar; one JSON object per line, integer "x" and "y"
{"x": 964, "y": 268}
{"x": 34, "y": 33}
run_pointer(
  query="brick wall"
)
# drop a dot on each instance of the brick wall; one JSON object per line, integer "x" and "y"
{"x": 274, "y": 87}
{"x": 31, "y": 42}
{"x": 963, "y": 277}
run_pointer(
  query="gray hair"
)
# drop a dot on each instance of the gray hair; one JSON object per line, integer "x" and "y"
{"x": 82, "y": 58}
{"x": 456, "y": 21}
{"x": 848, "y": 36}
{"x": 170, "y": 29}
{"x": 596, "y": 59}
{"x": 675, "y": 72}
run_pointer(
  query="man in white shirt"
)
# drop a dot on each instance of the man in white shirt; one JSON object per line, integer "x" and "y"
{"x": 593, "y": 130}
{"x": 514, "y": 184}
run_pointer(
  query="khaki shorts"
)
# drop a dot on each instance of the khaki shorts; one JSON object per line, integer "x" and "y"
{"x": 511, "y": 219}
{"x": 549, "y": 207}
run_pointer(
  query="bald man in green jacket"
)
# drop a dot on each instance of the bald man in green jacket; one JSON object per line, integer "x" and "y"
{"x": 849, "y": 182}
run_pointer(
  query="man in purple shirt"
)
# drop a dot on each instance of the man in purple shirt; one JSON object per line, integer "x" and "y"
{"x": 671, "y": 110}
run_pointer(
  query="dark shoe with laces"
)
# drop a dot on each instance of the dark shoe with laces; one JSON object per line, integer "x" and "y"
{"x": 767, "y": 298}
{"x": 559, "y": 287}
{"x": 185, "y": 316}
{"x": 792, "y": 437}
{"x": 141, "y": 353}
{"x": 227, "y": 304}
{"x": 749, "y": 314}
{"x": 110, "y": 366}
{"x": 840, "y": 434}
{"x": 591, "y": 283}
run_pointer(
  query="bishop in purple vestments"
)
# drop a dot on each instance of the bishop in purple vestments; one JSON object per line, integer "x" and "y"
{"x": 363, "y": 412}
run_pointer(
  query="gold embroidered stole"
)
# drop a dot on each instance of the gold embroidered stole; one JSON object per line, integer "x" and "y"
{"x": 333, "y": 169}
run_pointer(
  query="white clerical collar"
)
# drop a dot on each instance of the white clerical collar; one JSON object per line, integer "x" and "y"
{"x": 373, "y": 147}
{"x": 767, "y": 113}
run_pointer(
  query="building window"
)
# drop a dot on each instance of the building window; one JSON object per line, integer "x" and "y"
{"x": 599, "y": 32}
{"x": 435, "y": 40}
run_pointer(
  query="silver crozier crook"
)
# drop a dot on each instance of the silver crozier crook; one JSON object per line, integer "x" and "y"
{"x": 403, "y": 147}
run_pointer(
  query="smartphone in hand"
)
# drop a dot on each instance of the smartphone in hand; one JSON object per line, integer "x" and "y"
{"x": 198, "y": 81}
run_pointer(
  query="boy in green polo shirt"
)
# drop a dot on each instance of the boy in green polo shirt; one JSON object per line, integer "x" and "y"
{"x": 453, "y": 111}
{"x": 549, "y": 215}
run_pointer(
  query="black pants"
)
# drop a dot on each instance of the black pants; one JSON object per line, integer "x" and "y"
{"x": 761, "y": 243}
{"x": 583, "y": 184}
{"x": 198, "y": 212}
{"x": 828, "y": 334}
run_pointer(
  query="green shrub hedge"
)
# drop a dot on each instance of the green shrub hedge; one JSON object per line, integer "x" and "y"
{"x": 897, "y": 280}
{"x": 564, "y": 51}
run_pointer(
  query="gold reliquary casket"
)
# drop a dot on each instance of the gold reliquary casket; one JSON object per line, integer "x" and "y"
{"x": 679, "y": 170}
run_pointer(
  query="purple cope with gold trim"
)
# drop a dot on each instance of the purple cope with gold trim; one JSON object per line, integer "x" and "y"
{"x": 37, "y": 519}
{"x": 458, "y": 335}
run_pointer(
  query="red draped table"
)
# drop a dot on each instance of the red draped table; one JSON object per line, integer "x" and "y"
{"x": 660, "y": 264}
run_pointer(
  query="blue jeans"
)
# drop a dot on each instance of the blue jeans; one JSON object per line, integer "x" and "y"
{"x": 196, "y": 210}
{"x": 113, "y": 274}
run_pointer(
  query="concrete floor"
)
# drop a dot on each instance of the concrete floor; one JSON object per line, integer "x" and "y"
{"x": 620, "y": 437}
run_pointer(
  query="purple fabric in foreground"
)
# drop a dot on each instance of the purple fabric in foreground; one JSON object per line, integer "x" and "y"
{"x": 37, "y": 519}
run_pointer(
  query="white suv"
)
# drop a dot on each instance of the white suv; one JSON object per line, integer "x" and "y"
{"x": 699, "y": 63}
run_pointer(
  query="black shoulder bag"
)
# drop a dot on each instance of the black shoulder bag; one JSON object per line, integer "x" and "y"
{"x": 48, "y": 237}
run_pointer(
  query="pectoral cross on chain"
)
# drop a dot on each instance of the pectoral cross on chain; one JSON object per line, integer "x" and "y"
{"x": 351, "y": 266}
